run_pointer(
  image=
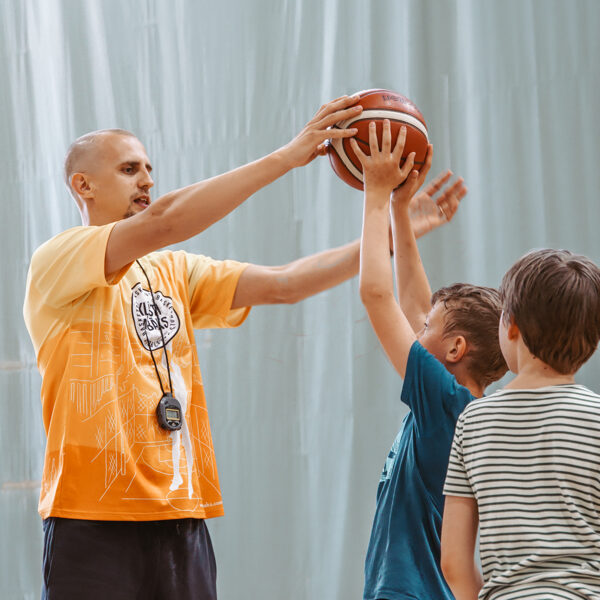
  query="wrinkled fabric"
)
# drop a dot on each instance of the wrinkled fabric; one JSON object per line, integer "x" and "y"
{"x": 302, "y": 401}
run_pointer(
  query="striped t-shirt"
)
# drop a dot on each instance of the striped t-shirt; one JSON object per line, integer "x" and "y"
{"x": 531, "y": 459}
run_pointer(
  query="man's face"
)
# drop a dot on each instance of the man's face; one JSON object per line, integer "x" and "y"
{"x": 119, "y": 179}
{"x": 431, "y": 336}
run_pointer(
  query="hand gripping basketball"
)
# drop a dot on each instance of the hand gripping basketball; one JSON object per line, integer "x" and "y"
{"x": 310, "y": 142}
{"x": 378, "y": 105}
{"x": 381, "y": 168}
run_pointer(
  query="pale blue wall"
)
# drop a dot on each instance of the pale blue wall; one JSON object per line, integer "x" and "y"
{"x": 303, "y": 404}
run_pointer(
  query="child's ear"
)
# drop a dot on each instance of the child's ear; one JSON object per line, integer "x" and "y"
{"x": 512, "y": 330}
{"x": 457, "y": 349}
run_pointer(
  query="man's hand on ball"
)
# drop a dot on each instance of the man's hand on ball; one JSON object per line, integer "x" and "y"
{"x": 381, "y": 170}
{"x": 310, "y": 142}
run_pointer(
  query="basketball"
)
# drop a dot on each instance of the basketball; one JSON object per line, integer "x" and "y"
{"x": 378, "y": 105}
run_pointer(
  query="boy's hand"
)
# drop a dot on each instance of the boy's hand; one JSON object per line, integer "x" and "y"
{"x": 310, "y": 142}
{"x": 381, "y": 170}
{"x": 415, "y": 179}
{"x": 427, "y": 213}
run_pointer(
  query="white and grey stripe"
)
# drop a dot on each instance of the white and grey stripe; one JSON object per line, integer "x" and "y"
{"x": 531, "y": 458}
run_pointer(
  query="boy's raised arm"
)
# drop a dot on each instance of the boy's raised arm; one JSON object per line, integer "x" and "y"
{"x": 382, "y": 174}
{"x": 414, "y": 292}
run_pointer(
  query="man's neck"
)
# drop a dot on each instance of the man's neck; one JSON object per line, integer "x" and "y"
{"x": 84, "y": 213}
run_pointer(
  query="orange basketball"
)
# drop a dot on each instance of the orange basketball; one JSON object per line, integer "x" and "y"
{"x": 378, "y": 105}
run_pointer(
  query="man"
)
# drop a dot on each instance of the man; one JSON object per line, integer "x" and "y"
{"x": 129, "y": 473}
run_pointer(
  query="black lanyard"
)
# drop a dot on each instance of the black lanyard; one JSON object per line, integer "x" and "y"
{"x": 168, "y": 410}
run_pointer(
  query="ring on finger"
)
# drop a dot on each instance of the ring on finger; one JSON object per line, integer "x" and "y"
{"x": 442, "y": 212}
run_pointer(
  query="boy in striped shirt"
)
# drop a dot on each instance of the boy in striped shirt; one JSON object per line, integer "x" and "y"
{"x": 525, "y": 461}
{"x": 446, "y": 349}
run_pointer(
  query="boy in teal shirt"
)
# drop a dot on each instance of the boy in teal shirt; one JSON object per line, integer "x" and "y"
{"x": 445, "y": 347}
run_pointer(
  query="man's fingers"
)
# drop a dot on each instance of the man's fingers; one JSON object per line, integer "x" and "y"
{"x": 338, "y": 133}
{"x": 325, "y": 120}
{"x": 322, "y": 149}
{"x": 336, "y": 105}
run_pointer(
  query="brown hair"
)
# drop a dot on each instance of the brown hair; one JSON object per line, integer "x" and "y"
{"x": 553, "y": 296}
{"x": 474, "y": 312}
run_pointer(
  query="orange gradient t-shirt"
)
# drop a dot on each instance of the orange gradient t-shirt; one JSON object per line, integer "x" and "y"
{"x": 106, "y": 456}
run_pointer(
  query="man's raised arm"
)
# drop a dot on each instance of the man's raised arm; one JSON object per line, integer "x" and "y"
{"x": 295, "y": 281}
{"x": 181, "y": 214}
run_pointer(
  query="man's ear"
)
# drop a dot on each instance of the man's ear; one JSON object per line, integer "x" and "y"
{"x": 82, "y": 185}
{"x": 457, "y": 349}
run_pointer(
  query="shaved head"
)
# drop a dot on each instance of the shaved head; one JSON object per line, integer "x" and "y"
{"x": 85, "y": 151}
{"x": 108, "y": 175}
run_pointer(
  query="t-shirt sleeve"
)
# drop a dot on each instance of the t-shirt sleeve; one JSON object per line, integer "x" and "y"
{"x": 70, "y": 265}
{"x": 212, "y": 284}
{"x": 457, "y": 480}
{"x": 430, "y": 389}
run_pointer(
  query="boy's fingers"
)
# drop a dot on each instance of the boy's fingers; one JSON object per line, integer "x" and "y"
{"x": 408, "y": 165}
{"x": 427, "y": 165}
{"x": 437, "y": 184}
{"x": 386, "y": 139}
{"x": 400, "y": 141}
{"x": 357, "y": 150}
{"x": 408, "y": 187}
{"x": 457, "y": 188}
{"x": 449, "y": 201}
{"x": 448, "y": 207}
{"x": 373, "y": 143}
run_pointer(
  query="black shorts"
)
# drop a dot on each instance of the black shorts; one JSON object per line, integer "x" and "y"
{"x": 128, "y": 560}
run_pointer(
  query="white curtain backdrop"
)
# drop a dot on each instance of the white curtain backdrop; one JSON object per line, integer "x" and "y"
{"x": 303, "y": 404}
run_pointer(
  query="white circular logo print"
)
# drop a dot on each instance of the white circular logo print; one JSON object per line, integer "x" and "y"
{"x": 149, "y": 322}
